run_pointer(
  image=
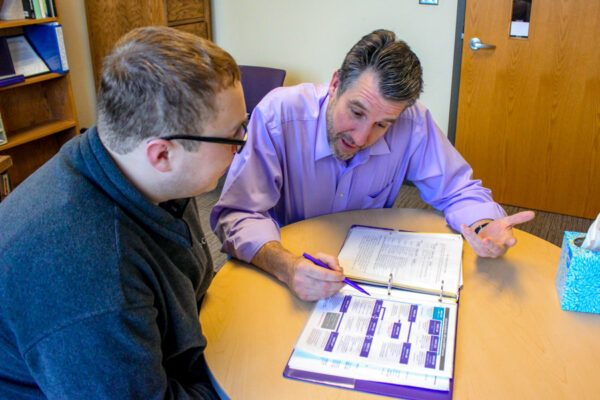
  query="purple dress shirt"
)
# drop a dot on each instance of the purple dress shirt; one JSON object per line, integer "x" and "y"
{"x": 287, "y": 172}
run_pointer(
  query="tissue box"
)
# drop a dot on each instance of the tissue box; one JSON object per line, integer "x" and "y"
{"x": 578, "y": 276}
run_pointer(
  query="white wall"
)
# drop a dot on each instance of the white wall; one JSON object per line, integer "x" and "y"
{"x": 310, "y": 38}
{"x": 307, "y": 38}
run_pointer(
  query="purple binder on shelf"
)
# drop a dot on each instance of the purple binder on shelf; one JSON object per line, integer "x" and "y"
{"x": 11, "y": 80}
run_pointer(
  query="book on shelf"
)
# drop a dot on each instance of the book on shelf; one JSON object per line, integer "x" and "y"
{"x": 6, "y": 65}
{"x": 37, "y": 10}
{"x": 3, "y": 138}
{"x": 11, "y": 80}
{"x": 27, "y": 9}
{"x": 51, "y": 8}
{"x": 7, "y": 69}
{"x": 41, "y": 9}
{"x": 25, "y": 60}
{"x": 5, "y": 186}
{"x": 47, "y": 40}
{"x": 400, "y": 340}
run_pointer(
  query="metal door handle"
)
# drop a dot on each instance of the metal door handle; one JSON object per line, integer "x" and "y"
{"x": 475, "y": 44}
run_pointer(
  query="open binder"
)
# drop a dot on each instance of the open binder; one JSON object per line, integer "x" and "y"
{"x": 399, "y": 341}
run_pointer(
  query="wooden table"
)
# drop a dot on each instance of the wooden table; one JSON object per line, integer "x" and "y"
{"x": 514, "y": 340}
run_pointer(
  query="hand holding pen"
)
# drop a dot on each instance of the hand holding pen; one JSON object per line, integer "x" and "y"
{"x": 346, "y": 280}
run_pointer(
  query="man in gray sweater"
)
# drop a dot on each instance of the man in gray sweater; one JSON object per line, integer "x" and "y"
{"x": 103, "y": 263}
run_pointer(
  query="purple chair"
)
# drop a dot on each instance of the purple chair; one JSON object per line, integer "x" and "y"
{"x": 257, "y": 82}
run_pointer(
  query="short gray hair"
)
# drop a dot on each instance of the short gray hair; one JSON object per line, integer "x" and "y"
{"x": 159, "y": 81}
{"x": 397, "y": 67}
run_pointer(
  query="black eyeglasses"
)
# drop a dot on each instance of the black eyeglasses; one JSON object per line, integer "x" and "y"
{"x": 238, "y": 143}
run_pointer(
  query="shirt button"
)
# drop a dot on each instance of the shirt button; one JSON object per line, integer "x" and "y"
{"x": 341, "y": 194}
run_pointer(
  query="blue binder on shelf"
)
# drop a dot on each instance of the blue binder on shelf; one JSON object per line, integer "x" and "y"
{"x": 47, "y": 40}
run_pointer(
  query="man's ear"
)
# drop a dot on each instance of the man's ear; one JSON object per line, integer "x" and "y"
{"x": 159, "y": 153}
{"x": 333, "y": 85}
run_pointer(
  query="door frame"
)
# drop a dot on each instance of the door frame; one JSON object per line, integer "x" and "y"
{"x": 456, "y": 65}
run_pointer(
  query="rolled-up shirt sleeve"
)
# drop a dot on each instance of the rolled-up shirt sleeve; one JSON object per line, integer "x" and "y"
{"x": 241, "y": 218}
{"x": 445, "y": 180}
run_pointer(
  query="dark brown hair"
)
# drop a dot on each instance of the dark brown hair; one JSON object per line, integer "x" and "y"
{"x": 397, "y": 67}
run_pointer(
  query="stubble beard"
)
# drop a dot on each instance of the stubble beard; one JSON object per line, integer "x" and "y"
{"x": 333, "y": 137}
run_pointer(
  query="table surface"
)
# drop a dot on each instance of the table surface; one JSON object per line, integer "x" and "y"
{"x": 513, "y": 339}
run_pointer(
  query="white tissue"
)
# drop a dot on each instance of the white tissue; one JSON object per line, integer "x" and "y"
{"x": 592, "y": 239}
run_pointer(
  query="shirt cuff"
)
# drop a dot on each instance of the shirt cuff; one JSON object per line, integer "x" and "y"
{"x": 473, "y": 213}
{"x": 245, "y": 242}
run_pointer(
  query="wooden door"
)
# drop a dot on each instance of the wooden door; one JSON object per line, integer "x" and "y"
{"x": 108, "y": 20}
{"x": 529, "y": 110}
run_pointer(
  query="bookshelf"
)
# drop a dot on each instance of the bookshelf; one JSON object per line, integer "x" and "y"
{"x": 23, "y": 22}
{"x": 5, "y": 164}
{"x": 39, "y": 114}
{"x": 192, "y": 16}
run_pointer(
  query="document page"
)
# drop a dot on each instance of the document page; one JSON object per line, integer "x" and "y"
{"x": 403, "y": 332}
{"x": 417, "y": 261}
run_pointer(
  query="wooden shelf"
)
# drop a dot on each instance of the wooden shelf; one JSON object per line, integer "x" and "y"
{"x": 33, "y": 79}
{"x": 39, "y": 113}
{"x": 36, "y": 132}
{"x": 5, "y": 163}
{"x": 23, "y": 22}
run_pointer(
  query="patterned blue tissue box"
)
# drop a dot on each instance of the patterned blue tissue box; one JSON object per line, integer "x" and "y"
{"x": 578, "y": 276}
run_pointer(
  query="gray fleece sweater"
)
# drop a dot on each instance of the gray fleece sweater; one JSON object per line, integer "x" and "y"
{"x": 99, "y": 288}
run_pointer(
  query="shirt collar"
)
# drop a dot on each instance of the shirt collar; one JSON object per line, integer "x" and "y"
{"x": 322, "y": 145}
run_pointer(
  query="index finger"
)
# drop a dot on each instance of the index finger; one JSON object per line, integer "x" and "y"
{"x": 331, "y": 261}
{"x": 519, "y": 218}
{"x": 316, "y": 271}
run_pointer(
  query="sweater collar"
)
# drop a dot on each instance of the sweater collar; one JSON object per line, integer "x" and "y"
{"x": 100, "y": 167}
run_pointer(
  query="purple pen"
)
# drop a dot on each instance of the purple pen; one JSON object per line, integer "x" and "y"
{"x": 346, "y": 280}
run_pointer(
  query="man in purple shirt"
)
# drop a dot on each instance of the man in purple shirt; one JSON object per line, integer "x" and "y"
{"x": 317, "y": 149}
